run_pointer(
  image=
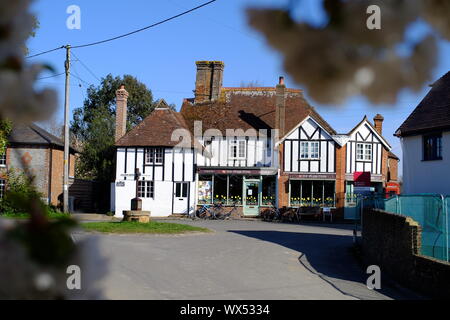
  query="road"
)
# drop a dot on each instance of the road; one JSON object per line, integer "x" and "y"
{"x": 239, "y": 260}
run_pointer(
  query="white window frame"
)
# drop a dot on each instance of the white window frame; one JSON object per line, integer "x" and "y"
{"x": 2, "y": 188}
{"x": 146, "y": 189}
{"x": 364, "y": 152}
{"x": 3, "y": 160}
{"x": 237, "y": 150}
{"x": 154, "y": 156}
{"x": 309, "y": 150}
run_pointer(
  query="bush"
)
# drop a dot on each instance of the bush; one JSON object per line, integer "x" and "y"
{"x": 19, "y": 194}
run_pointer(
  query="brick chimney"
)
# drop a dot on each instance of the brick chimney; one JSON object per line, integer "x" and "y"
{"x": 378, "y": 121}
{"x": 121, "y": 112}
{"x": 209, "y": 80}
{"x": 280, "y": 116}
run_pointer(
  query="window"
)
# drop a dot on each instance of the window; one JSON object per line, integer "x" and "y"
{"x": 181, "y": 190}
{"x": 309, "y": 150}
{"x": 3, "y": 160}
{"x": 205, "y": 189}
{"x": 146, "y": 189}
{"x": 432, "y": 147}
{"x": 363, "y": 152}
{"x": 154, "y": 156}
{"x": 2, "y": 188}
{"x": 305, "y": 193}
{"x": 237, "y": 149}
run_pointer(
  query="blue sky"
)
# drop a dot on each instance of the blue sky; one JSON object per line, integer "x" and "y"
{"x": 164, "y": 57}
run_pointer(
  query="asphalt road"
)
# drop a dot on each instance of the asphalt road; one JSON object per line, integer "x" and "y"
{"x": 240, "y": 260}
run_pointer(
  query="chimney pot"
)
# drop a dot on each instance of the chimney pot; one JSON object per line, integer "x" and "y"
{"x": 281, "y": 82}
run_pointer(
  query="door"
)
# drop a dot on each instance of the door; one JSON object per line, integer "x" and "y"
{"x": 251, "y": 197}
{"x": 181, "y": 198}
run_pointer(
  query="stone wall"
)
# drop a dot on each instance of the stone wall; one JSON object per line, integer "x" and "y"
{"x": 393, "y": 243}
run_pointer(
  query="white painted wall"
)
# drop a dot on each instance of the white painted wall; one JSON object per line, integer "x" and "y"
{"x": 425, "y": 176}
{"x": 258, "y": 153}
{"x": 178, "y": 166}
{"x": 309, "y": 130}
{"x": 364, "y": 134}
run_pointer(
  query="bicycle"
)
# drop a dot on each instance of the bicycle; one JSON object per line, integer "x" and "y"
{"x": 204, "y": 212}
{"x": 220, "y": 215}
{"x": 272, "y": 214}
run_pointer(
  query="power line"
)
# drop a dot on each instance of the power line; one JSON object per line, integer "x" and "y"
{"x": 54, "y": 76}
{"x": 127, "y": 34}
{"x": 41, "y": 53}
{"x": 145, "y": 28}
{"x": 86, "y": 67}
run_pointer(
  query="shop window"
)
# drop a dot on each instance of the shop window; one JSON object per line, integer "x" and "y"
{"x": 220, "y": 189}
{"x": 205, "y": 185}
{"x": 296, "y": 195}
{"x": 318, "y": 194}
{"x": 308, "y": 193}
{"x": 329, "y": 193}
{"x": 235, "y": 190}
{"x": 268, "y": 190}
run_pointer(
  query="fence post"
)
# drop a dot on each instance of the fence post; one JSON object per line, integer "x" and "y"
{"x": 445, "y": 207}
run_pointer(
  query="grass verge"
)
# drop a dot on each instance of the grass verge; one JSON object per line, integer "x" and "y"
{"x": 51, "y": 215}
{"x": 134, "y": 227}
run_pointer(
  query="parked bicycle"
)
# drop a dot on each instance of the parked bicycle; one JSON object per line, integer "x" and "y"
{"x": 222, "y": 214}
{"x": 271, "y": 214}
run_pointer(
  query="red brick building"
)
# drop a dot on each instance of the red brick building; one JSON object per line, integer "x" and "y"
{"x": 34, "y": 149}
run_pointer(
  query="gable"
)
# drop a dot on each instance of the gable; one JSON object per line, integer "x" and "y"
{"x": 308, "y": 129}
{"x": 365, "y": 132}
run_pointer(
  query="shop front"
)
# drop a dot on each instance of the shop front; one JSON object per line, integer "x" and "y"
{"x": 248, "y": 189}
{"x": 312, "y": 190}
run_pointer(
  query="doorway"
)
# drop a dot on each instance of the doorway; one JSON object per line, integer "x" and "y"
{"x": 181, "y": 198}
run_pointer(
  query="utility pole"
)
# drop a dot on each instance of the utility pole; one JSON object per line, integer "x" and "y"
{"x": 66, "y": 132}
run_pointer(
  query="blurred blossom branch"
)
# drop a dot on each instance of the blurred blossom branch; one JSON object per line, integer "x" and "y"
{"x": 34, "y": 254}
{"x": 344, "y": 58}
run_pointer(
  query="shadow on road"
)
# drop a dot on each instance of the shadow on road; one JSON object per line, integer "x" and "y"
{"x": 331, "y": 258}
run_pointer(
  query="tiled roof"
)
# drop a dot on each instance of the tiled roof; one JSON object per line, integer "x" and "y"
{"x": 433, "y": 113}
{"x": 249, "y": 108}
{"x": 32, "y": 134}
{"x": 155, "y": 130}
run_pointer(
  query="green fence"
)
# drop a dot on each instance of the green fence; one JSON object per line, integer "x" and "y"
{"x": 431, "y": 212}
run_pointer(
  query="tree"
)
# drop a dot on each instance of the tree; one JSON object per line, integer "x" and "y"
{"x": 350, "y": 52}
{"x": 93, "y": 125}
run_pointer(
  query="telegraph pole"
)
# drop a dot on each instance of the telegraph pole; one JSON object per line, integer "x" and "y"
{"x": 66, "y": 132}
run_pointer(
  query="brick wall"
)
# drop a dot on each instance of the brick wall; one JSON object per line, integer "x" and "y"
{"x": 34, "y": 158}
{"x": 57, "y": 174}
{"x": 393, "y": 169}
{"x": 393, "y": 243}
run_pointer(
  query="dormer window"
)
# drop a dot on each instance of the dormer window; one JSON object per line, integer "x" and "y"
{"x": 154, "y": 156}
